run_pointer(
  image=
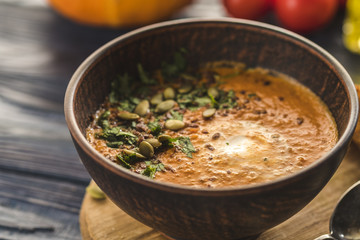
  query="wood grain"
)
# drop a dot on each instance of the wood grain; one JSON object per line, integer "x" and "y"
{"x": 102, "y": 219}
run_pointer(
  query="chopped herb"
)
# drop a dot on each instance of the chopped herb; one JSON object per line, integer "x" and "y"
{"x": 130, "y": 158}
{"x": 155, "y": 128}
{"x": 127, "y": 159}
{"x": 144, "y": 78}
{"x": 123, "y": 161}
{"x": 174, "y": 69}
{"x": 129, "y": 104}
{"x": 114, "y": 144}
{"x": 214, "y": 103}
{"x": 120, "y": 88}
{"x": 116, "y": 134}
{"x": 176, "y": 115}
{"x": 184, "y": 144}
{"x": 227, "y": 99}
{"x": 184, "y": 100}
{"x": 152, "y": 168}
{"x": 103, "y": 120}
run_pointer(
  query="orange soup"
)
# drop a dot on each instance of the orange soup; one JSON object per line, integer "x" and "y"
{"x": 218, "y": 126}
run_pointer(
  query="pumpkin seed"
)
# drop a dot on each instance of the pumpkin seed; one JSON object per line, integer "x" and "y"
{"x": 128, "y": 116}
{"x": 174, "y": 125}
{"x": 130, "y": 152}
{"x": 185, "y": 89}
{"x": 146, "y": 149}
{"x": 142, "y": 108}
{"x": 164, "y": 138}
{"x": 169, "y": 93}
{"x": 165, "y": 106}
{"x": 213, "y": 92}
{"x": 208, "y": 113}
{"x": 154, "y": 142}
{"x": 95, "y": 192}
{"x": 156, "y": 99}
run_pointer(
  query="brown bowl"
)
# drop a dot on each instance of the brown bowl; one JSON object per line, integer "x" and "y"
{"x": 228, "y": 213}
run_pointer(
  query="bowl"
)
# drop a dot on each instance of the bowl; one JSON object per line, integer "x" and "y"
{"x": 183, "y": 212}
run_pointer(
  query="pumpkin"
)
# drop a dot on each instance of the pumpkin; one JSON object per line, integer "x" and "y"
{"x": 118, "y": 13}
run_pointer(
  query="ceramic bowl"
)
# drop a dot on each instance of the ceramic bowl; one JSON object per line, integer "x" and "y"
{"x": 228, "y": 213}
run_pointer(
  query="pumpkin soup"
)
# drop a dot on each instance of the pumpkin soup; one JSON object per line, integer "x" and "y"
{"x": 221, "y": 125}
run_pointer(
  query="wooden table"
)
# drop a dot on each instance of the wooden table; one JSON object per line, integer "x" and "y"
{"x": 42, "y": 181}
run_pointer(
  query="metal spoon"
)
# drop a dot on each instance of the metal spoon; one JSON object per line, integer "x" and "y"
{"x": 345, "y": 221}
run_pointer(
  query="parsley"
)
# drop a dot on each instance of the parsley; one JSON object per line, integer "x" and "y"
{"x": 194, "y": 99}
{"x": 129, "y": 104}
{"x": 103, "y": 121}
{"x": 120, "y": 88}
{"x": 184, "y": 144}
{"x": 127, "y": 159}
{"x": 155, "y": 128}
{"x": 114, "y": 144}
{"x": 123, "y": 161}
{"x": 115, "y": 135}
{"x": 226, "y": 99}
{"x": 152, "y": 168}
{"x": 184, "y": 100}
{"x": 174, "y": 69}
{"x": 176, "y": 115}
{"x": 145, "y": 79}
{"x": 214, "y": 103}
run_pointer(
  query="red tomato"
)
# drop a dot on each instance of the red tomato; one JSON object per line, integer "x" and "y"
{"x": 248, "y": 9}
{"x": 304, "y": 16}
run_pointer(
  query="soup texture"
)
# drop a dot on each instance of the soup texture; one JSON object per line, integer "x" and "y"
{"x": 217, "y": 126}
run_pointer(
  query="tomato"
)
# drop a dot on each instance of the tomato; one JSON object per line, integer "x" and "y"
{"x": 248, "y": 9}
{"x": 304, "y": 16}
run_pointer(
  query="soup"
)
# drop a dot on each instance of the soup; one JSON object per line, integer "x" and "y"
{"x": 217, "y": 126}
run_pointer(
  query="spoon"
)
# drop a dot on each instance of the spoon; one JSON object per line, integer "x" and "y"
{"x": 345, "y": 221}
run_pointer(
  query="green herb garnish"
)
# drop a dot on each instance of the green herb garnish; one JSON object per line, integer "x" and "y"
{"x": 155, "y": 128}
{"x": 152, "y": 168}
{"x": 226, "y": 99}
{"x": 120, "y": 88}
{"x": 176, "y": 115}
{"x": 144, "y": 77}
{"x": 114, "y": 144}
{"x": 117, "y": 134}
{"x": 123, "y": 161}
{"x": 184, "y": 144}
{"x": 175, "y": 68}
{"x": 103, "y": 120}
{"x": 129, "y": 104}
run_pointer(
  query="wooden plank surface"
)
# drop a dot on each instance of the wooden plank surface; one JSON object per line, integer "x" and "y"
{"x": 102, "y": 219}
{"x": 42, "y": 181}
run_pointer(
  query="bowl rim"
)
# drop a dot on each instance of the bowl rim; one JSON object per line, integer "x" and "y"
{"x": 171, "y": 187}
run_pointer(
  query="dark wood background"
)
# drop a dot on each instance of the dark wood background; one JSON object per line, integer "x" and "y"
{"x": 42, "y": 181}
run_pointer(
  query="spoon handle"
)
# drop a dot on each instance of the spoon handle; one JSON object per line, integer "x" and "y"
{"x": 325, "y": 237}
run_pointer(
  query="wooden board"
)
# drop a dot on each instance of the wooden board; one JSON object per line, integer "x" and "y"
{"x": 101, "y": 219}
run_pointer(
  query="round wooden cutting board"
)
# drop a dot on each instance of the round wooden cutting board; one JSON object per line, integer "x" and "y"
{"x": 103, "y": 220}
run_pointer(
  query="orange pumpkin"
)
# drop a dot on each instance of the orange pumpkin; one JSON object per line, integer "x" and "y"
{"x": 118, "y": 13}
